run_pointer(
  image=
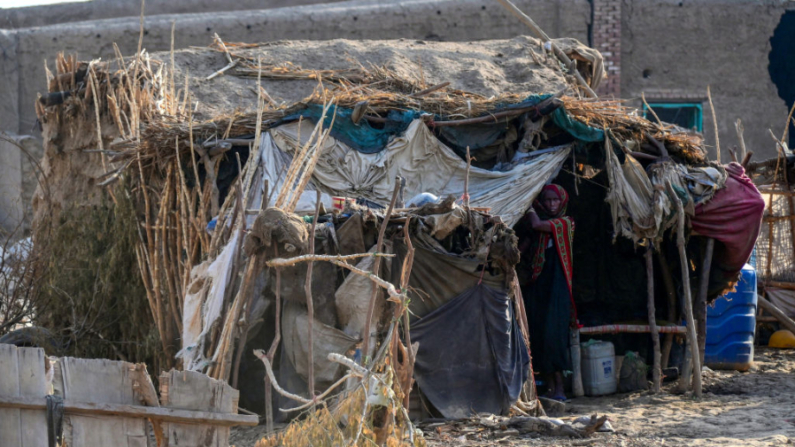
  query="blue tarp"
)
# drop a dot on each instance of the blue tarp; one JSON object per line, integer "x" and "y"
{"x": 363, "y": 137}
{"x": 368, "y": 139}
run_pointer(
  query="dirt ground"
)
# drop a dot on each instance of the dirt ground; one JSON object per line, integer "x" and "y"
{"x": 756, "y": 408}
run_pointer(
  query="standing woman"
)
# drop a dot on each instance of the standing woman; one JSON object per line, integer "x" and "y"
{"x": 545, "y": 279}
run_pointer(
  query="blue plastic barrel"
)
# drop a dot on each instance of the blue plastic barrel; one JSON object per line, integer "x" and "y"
{"x": 731, "y": 323}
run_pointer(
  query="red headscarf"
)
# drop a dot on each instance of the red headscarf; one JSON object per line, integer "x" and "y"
{"x": 562, "y": 234}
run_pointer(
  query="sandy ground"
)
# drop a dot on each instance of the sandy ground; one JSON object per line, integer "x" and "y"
{"x": 756, "y": 408}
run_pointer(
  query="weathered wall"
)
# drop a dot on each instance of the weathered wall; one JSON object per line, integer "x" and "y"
{"x": 24, "y": 50}
{"x": 45, "y": 15}
{"x": 684, "y": 46}
{"x": 11, "y": 210}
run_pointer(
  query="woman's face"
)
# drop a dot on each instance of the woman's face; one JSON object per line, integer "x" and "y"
{"x": 551, "y": 202}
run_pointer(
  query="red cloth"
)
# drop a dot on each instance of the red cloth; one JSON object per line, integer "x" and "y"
{"x": 733, "y": 217}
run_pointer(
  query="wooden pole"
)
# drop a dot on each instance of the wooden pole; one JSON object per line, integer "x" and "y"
{"x": 714, "y": 123}
{"x": 274, "y": 346}
{"x": 692, "y": 339}
{"x": 309, "y": 303}
{"x": 700, "y": 311}
{"x": 576, "y": 364}
{"x": 772, "y": 309}
{"x": 545, "y": 38}
{"x": 670, "y": 292}
{"x": 376, "y": 266}
{"x": 655, "y": 336}
{"x": 687, "y": 370}
{"x": 405, "y": 274}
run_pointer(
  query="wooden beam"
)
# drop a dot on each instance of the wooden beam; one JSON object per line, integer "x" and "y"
{"x": 771, "y": 219}
{"x": 134, "y": 411}
{"x": 772, "y": 309}
{"x": 631, "y": 329}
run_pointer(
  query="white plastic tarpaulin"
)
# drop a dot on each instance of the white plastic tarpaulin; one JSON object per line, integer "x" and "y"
{"x": 204, "y": 302}
{"x": 419, "y": 157}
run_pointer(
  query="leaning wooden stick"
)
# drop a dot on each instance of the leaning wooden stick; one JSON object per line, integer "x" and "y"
{"x": 309, "y": 304}
{"x": 714, "y": 123}
{"x": 692, "y": 339}
{"x": 404, "y": 284}
{"x": 376, "y": 266}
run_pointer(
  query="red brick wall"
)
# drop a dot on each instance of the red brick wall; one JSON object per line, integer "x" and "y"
{"x": 607, "y": 39}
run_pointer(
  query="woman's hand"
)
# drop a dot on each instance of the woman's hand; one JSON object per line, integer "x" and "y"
{"x": 537, "y": 223}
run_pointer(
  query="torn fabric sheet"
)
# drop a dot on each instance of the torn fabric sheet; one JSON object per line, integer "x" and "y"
{"x": 204, "y": 303}
{"x": 630, "y": 197}
{"x": 418, "y": 156}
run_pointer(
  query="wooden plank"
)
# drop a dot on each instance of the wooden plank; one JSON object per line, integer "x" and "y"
{"x": 132, "y": 411}
{"x": 105, "y": 382}
{"x": 190, "y": 390}
{"x": 22, "y": 374}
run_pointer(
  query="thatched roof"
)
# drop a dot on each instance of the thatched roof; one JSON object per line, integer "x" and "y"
{"x": 488, "y": 68}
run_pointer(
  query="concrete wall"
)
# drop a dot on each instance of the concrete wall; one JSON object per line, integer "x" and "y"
{"x": 111, "y": 9}
{"x": 18, "y": 180}
{"x": 684, "y": 46}
{"x": 669, "y": 49}
{"x": 25, "y": 50}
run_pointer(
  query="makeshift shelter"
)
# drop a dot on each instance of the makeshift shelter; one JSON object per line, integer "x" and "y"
{"x": 775, "y": 250}
{"x": 225, "y": 172}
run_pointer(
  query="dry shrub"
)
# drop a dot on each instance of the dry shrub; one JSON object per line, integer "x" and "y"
{"x": 338, "y": 424}
{"x": 90, "y": 295}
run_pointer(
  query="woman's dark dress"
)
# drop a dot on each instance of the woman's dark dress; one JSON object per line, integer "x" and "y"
{"x": 548, "y": 308}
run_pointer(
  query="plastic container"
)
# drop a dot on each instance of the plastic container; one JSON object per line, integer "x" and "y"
{"x": 598, "y": 368}
{"x": 730, "y": 326}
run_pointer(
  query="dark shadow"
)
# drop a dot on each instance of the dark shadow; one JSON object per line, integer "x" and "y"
{"x": 782, "y": 63}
